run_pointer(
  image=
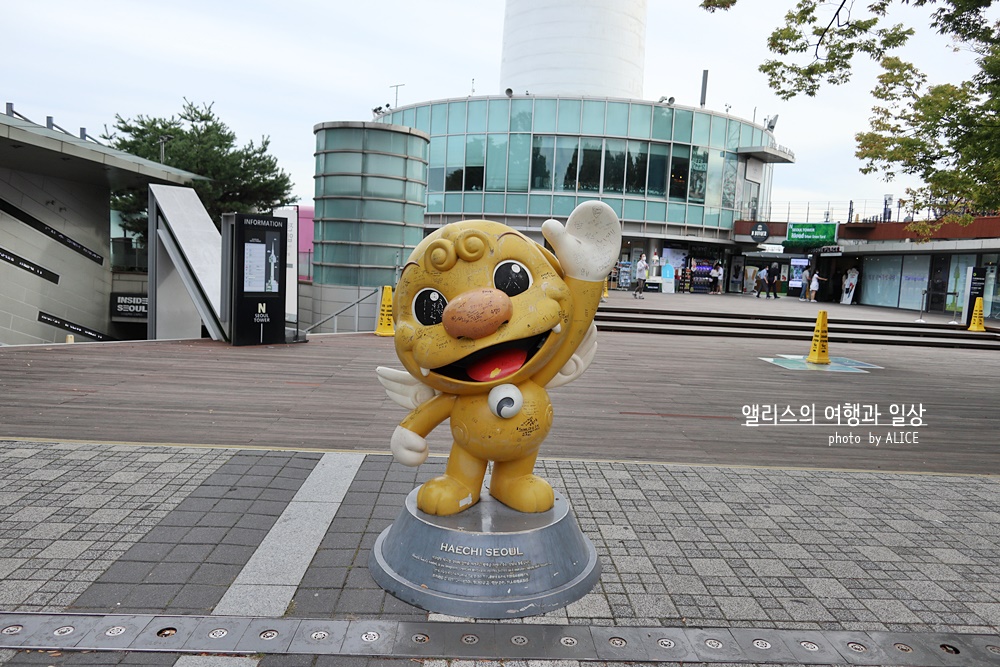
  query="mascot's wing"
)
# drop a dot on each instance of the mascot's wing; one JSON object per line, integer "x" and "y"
{"x": 579, "y": 362}
{"x": 403, "y": 388}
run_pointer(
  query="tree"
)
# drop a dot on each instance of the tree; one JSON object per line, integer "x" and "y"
{"x": 946, "y": 134}
{"x": 243, "y": 180}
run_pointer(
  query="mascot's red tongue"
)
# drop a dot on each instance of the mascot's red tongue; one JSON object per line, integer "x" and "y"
{"x": 498, "y": 364}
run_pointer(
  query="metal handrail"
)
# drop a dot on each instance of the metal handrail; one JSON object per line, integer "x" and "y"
{"x": 924, "y": 306}
{"x": 345, "y": 308}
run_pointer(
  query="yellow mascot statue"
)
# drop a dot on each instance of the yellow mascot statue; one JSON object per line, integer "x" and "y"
{"x": 486, "y": 321}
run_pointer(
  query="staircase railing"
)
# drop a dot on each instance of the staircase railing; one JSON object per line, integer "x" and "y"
{"x": 354, "y": 305}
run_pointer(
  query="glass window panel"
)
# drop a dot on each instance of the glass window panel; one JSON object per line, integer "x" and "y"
{"x": 518, "y": 162}
{"x": 416, "y": 170}
{"x": 733, "y": 138}
{"x": 638, "y": 121}
{"x": 729, "y": 179}
{"x": 545, "y": 116}
{"x": 746, "y": 134}
{"x": 562, "y": 206}
{"x": 424, "y": 119}
{"x": 540, "y": 205}
{"x": 590, "y": 164}
{"x": 409, "y": 116}
{"x": 375, "y": 209}
{"x": 617, "y": 123}
{"x": 702, "y": 129}
{"x": 473, "y": 204}
{"x": 659, "y": 158}
{"x": 696, "y": 215}
{"x": 496, "y": 163}
{"x": 416, "y": 147}
{"x": 593, "y": 117}
{"x": 718, "y": 132}
{"x": 320, "y": 168}
{"x": 726, "y": 219}
{"x": 454, "y": 178}
{"x": 474, "y": 177}
{"x": 566, "y": 163}
{"x": 389, "y": 188}
{"x": 456, "y": 151}
{"x": 493, "y": 204}
{"x": 635, "y": 167}
{"x": 345, "y": 139}
{"x": 542, "y": 159}
{"x": 435, "y": 179}
{"x": 712, "y": 216}
{"x": 342, "y": 185}
{"x": 349, "y": 163}
{"x": 758, "y": 137}
{"x": 682, "y": 125}
{"x": 475, "y": 150}
{"x": 635, "y": 209}
{"x": 882, "y": 277}
{"x": 456, "y": 117}
{"x": 499, "y": 120}
{"x": 453, "y": 203}
{"x": 376, "y": 233}
{"x": 476, "y": 117}
{"x": 341, "y": 231}
{"x": 385, "y": 142}
{"x": 435, "y": 203}
{"x": 656, "y": 211}
{"x": 614, "y": 165}
{"x": 520, "y": 116}
{"x": 569, "y": 116}
{"x": 615, "y": 204}
{"x": 439, "y": 118}
{"x": 916, "y": 271}
{"x": 321, "y": 140}
{"x": 713, "y": 183}
{"x": 436, "y": 154}
{"x": 413, "y": 214}
{"x": 385, "y": 165}
{"x": 663, "y": 122}
{"x": 680, "y": 162}
{"x": 517, "y": 204}
{"x": 343, "y": 209}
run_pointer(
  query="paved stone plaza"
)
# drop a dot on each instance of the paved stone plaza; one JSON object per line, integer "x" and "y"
{"x": 158, "y": 530}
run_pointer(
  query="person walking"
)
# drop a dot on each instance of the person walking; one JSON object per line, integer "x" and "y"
{"x": 804, "y": 292}
{"x": 773, "y": 277}
{"x": 641, "y": 273}
{"x": 762, "y": 282}
{"x": 714, "y": 279}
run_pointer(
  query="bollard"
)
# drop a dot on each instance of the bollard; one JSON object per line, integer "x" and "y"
{"x": 70, "y": 338}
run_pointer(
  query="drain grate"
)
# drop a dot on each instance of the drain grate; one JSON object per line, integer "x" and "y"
{"x": 251, "y": 635}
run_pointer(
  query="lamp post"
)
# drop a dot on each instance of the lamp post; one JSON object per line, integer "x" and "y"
{"x": 163, "y": 141}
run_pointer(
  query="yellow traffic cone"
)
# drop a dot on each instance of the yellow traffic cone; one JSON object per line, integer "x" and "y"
{"x": 604, "y": 294}
{"x": 820, "y": 353}
{"x": 384, "y": 327}
{"x": 977, "y": 316}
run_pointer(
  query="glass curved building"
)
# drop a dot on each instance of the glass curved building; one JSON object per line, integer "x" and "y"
{"x": 669, "y": 172}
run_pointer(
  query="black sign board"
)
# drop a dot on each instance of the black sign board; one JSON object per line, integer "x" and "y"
{"x": 260, "y": 245}
{"x": 32, "y": 221}
{"x": 134, "y": 306}
{"x": 760, "y": 233}
{"x": 73, "y": 327}
{"x": 30, "y": 267}
{"x": 977, "y": 288}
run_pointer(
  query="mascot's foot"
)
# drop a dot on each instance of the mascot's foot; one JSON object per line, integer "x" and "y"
{"x": 528, "y": 493}
{"x": 445, "y": 495}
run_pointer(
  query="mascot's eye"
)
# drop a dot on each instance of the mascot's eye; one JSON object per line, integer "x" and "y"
{"x": 428, "y": 306}
{"x": 512, "y": 278}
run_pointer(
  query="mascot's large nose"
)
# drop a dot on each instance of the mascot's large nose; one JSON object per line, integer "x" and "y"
{"x": 477, "y": 313}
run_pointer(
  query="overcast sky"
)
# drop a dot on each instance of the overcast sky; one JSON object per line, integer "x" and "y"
{"x": 277, "y": 69}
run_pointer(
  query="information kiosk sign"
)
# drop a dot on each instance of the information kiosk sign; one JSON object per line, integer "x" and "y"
{"x": 260, "y": 245}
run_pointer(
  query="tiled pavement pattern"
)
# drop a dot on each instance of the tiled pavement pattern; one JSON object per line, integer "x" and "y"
{"x": 680, "y": 546}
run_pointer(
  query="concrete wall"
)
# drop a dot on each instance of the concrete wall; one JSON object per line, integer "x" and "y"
{"x": 80, "y": 212}
{"x": 318, "y": 301}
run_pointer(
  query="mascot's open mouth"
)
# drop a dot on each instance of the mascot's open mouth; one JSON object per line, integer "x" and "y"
{"x": 495, "y": 362}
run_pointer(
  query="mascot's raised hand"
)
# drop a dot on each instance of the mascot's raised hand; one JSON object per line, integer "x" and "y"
{"x": 486, "y": 319}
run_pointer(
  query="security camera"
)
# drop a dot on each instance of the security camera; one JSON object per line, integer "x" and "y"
{"x": 509, "y": 92}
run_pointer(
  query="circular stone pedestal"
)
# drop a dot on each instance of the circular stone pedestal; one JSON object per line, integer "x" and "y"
{"x": 487, "y": 562}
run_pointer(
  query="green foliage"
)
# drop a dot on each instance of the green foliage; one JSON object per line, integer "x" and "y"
{"x": 243, "y": 180}
{"x": 947, "y": 135}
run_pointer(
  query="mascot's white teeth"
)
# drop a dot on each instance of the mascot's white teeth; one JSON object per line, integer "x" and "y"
{"x": 557, "y": 328}
{"x": 425, "y": 371}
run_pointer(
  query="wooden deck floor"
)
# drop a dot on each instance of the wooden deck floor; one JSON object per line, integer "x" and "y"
{"x": 656, "y": 398}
